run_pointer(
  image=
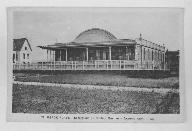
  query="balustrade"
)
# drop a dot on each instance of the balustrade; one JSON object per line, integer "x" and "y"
{"x": 89, "y": 65}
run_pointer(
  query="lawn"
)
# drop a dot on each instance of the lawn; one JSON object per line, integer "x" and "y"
{"x": 101, "y": 79}
{"x": 36, "y": 99}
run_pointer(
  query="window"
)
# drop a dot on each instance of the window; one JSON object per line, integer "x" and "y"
{"x": 27, "y": 56}
{"x": 158, "y": 55}
{"x": 152, "y": 55}
{"x": 148, "y": 54}
{"x": 16, "y": 57}
{"x": 25, "y": 48}
{"x": 13, "y": 58}
{"x": 23, "y": 55}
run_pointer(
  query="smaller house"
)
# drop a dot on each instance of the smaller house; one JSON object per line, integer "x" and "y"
{"x": 21, "y": 51}
{"x": 172, "y": 60}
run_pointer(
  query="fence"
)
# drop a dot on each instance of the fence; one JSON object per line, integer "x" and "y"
{"x": 88, "y": 65}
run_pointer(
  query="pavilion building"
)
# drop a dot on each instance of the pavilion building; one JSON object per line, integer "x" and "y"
{"x": 99, "y": 49}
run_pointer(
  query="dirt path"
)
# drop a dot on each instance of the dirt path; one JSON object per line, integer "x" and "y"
{"x": 114, "y": 88}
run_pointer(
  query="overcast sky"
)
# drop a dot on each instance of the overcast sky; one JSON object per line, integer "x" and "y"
{"x": 47, "y": 26}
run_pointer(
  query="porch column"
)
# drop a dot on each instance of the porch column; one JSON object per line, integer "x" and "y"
{"x": 126, "y": 53}
{"x": 59, "y": 55}
{"x": 87, "y": 54}
{"x": 54, "y": 55}
{"x": 50, "y": 55}
{"x": 164, "y": 60}
{"x": 47, "y": 54}
{"x": 141, "y": 55}
{"x": 65, "y": 54}
{"x": 109, "y": 52}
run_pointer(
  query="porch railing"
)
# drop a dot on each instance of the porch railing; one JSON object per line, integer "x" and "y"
{"x": 88, "y": 65}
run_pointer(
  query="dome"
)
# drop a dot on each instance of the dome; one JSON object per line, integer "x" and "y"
{"x": 94, "y": 35}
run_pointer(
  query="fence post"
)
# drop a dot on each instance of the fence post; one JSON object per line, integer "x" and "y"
{"x": 60, "y": 65}
{"x": 95, "y": 64}
{"x": 54, "y": 65}
{"x": 119, "y": 64}
{"x": 71, "y": 65}
{"x": 75, "y": 65}
{"x": 107, "y": 65}
{"x": 83, "y": 65}
{"x": 98, "y": 65}
{"x": 111, "y": 63}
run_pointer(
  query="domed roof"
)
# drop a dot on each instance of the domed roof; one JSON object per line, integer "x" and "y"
{"x": 94, "y": 35}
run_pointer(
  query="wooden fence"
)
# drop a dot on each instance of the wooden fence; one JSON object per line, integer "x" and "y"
{"x": 88, "y": 65}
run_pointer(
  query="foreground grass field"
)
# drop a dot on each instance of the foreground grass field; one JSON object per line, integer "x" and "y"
{"x": 101, "y": 79}
{"x": 35, "y": 99}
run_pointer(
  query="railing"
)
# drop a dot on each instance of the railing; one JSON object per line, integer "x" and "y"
{"x": 88, "y": 65}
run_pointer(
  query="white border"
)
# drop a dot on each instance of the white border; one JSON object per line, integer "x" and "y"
{"x": 124, "y": 117}
{"x": 187, "y": 4}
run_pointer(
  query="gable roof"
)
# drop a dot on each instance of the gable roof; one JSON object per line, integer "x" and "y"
{"x": 18, "y": 44}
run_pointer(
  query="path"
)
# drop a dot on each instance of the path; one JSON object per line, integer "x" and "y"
{"x": 113, "y": 88}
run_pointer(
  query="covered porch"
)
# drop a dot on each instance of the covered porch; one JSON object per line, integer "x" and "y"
{"x": 90, "y": 53}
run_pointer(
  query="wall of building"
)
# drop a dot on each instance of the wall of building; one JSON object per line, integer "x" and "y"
{"x": 172, "y": 61}
{"x": 24, "y": 55}
{"x": 150, "y": 54}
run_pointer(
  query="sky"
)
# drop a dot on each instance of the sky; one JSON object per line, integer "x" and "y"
{"x": 46, "y": 26}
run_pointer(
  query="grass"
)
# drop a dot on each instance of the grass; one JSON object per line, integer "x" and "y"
{"x": 101, "y": 79}
{"x": 58, "y": 100}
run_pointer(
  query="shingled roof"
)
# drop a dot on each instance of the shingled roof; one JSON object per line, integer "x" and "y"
{"x": 18, "y": 44}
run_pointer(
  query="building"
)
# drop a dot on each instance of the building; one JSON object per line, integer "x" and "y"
{"x": 172, "y": 61}
{"x": 21, "y": 51}
{"x": 100, "y": 46}
{"x": 98, "y": 49}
